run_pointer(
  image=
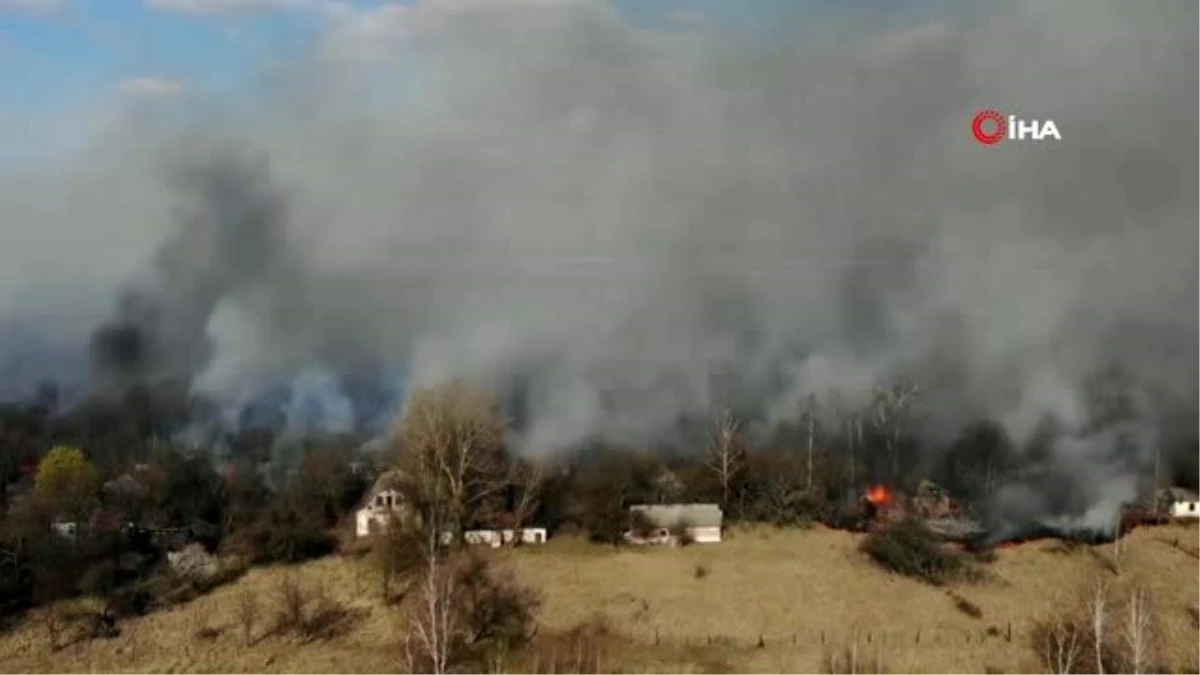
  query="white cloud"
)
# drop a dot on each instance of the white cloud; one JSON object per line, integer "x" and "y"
{"x": 371, "y": 34}
{"x": 689, "y": 17}
{"x": 227, "y": 6}
{"x": 153, "y": 87}
{"x": 32, "y": 6}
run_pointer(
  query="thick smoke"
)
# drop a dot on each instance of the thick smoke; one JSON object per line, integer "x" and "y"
{"x": 619, "y": 227}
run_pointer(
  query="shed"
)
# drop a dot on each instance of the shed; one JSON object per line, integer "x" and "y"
{"x": 701, "y": 523}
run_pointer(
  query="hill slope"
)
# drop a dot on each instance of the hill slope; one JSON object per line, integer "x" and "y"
{"x": 805, "y": 594}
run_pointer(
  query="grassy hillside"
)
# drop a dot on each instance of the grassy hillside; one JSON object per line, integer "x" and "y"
{"x": 803, "y": 595}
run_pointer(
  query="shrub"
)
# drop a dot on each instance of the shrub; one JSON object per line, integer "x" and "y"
{"x": 700, "y": 571}
{"x": 583, "y": 649}
{"x": 966, "y": 606}
{"x": 491, "y": 605}
{"x": 909, "y": 548}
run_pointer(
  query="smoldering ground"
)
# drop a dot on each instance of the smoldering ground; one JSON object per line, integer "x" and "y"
{"x": 622, "y": 226}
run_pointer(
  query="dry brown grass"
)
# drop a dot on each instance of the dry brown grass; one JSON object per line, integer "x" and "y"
{"x": 801, "y": 595}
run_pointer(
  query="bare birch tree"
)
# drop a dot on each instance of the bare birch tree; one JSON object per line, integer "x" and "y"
{"x": 527, "y": 478}
{"x": 1137, "y": 632}
{"x": 452, "y": 449}
{"x": 1097, "y": 607}
{"x": 1061, "y": 644}
{"x": 809, "y": 416}
{"x": 892, "y": 406}
{"x": 727, "y": 456}
{"x": 428, "y": 640}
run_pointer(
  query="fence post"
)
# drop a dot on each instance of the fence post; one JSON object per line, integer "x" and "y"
{"x": 822, "y": 637}
{"x": 656, "y": 636}
{"x": 1008, "y": 634}
{"x": 793, "y": 639}
{"x": 918, "y": 640}
{"x": 761, "y": 641}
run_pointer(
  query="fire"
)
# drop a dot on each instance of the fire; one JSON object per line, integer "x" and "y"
{"x": 879, "y": 496}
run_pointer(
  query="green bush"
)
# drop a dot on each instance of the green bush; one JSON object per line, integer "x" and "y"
{"x": 909, "y": 548}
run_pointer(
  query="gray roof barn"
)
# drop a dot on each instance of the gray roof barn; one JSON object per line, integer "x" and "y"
{"x": 675, "y": 515}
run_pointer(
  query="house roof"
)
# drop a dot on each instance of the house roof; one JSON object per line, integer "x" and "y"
{"x": 391, "y": 479}
{"x": 1180, "y": 494}
{"x": 672, "y": 515}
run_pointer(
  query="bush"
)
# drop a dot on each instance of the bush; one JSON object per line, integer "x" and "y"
{"x": 308, "y": 613}
{"x": 491, "y": 605}
{"x": 583, "y": 649}
{"x": 288, "y": 534}
{"x": 966, "y": 606}
{"x": 909, "y": 548}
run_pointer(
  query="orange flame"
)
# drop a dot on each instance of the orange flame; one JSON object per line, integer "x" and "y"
{"x": 879, "y": 496}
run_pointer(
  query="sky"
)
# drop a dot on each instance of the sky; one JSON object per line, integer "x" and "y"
{"x": 68, "y": 65}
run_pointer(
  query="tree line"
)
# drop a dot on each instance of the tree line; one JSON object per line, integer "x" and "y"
{"x": 109, "y": 468}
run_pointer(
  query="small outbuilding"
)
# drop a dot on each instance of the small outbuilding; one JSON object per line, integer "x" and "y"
{"x": 673, "y": 523}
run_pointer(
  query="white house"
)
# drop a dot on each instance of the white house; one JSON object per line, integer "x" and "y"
{"x": 701, "y": 523}
{"x": 1181, "y": 503}
{"x": 382, "y": 502}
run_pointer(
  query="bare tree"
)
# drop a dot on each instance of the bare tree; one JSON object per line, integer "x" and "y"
{"x": 809, "y": 414}
{"x": 727, "y": 455}
{"x": 527, "y": 478}
{"x": 891, "y": 408}
{"x": 452, "y": 444}
{"x": 1097, "y": 606}
{"x": 1120, "y": 552}
{"x": 1137, "y": 632}
{"x": 429, "y": 641}
{"x": 1060, "y": 643}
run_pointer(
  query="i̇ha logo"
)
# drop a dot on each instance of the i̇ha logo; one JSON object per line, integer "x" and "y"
{"x": 991, "y": 126}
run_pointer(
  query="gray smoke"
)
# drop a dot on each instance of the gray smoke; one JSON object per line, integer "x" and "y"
{"x": 626, "y": 226}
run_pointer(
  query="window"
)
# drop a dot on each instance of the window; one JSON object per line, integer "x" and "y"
{"x": 537, "y": 537}
{"x": 1191, "y": 507}
{"x": 378, "y": 500}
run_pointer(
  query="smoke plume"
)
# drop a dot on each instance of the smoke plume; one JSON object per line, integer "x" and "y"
{"x": 619, "y": 227}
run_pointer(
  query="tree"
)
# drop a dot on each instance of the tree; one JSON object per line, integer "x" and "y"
{"x": 810, "y": 412}
{"x": 891, "y": 408}
{"x": 67, "y": 482}
{"x": 727, "y": 455}
{"x": 526, "y": 479}
{"x": 1137, "y": 632}
{"x": 452, "y": 444}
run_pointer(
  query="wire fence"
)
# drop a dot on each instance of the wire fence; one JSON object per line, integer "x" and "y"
{"x": 807, "y": 638}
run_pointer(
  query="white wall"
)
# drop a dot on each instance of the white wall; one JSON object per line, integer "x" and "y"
{"x": 365, "y": 517}
{"x": 705, "y": 535}
{"x": 1185, "y": 510}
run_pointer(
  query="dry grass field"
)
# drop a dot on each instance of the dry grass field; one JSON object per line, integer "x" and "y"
{"x": 764, "y": 601}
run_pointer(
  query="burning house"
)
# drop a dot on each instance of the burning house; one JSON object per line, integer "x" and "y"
{"x": 881, "y": 506}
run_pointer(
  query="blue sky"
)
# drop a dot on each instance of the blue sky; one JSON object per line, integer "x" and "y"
{"x": 63, "y": 56}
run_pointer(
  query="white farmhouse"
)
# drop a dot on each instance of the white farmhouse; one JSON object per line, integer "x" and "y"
{"x": 1180, "y": 503}
{"x": 701, "y": 523}
{"x": 383, "y": 502}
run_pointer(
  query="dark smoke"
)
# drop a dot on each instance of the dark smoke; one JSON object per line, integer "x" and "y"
{"x": 230, "y": 237}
